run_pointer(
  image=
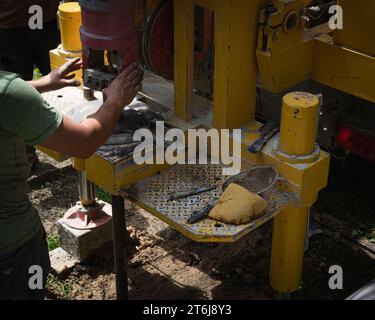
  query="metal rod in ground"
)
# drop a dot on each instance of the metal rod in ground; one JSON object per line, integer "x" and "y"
{"x": 120, "y": 247}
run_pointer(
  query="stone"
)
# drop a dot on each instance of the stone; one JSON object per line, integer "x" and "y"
{"x": 62, "y": 261}
{"x": 82, "y": 243}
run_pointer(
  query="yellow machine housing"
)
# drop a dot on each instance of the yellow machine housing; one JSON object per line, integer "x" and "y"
{"x": 59, "y": 56}
{"x": 70, "y": 48}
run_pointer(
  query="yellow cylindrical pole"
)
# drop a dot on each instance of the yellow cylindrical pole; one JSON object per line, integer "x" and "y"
{"x": 288, "y": 244}
{"x": 70, "y": 23}
{"x": 299, "y": 124}
{"x": 297, "y": 138}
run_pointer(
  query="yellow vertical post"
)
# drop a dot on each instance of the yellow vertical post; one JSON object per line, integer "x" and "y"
{"x": 236, "y": 33}
{"x": 297, "y": 138}
{"x": 183, "y": 58}
{"x": 79, "y": 164}
{"x": 70, "y": 23}
{"x": 288, "y": 244}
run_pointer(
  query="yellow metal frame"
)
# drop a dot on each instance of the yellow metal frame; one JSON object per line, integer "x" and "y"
{"x": 59, "y": 157}
{"x": 235, "y": 34}
{"x": 344, "y": 61}
{"x": 344, "y": 69}
{"x": 184, "y": 58}
{"x": 112, "y": 177}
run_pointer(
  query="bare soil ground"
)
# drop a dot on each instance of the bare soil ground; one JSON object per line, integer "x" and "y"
{"x": 166, "y": 265}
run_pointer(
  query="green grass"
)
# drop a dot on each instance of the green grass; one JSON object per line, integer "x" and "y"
{"x": 60, "y": 288}
{"x": 100, "y": 193}
{"x": 37, "y": 74}
{"x": 103, "y": 195}
{"x": 72, "y": 182}
{"x": 53, "y": 242}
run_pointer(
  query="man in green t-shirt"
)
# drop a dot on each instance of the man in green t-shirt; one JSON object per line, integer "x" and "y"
{"x": 27, "y": 120}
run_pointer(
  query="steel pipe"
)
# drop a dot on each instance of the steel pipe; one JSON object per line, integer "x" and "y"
{"x": 86, "y": 189}
{"x": 120, "y": 240}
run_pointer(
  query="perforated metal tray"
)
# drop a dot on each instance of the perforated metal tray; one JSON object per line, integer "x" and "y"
{"x": 153, "y": 195}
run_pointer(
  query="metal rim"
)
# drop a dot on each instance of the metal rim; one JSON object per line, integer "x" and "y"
{"x": 146, "y": 34}
{"x": 149, "y": 32}
{"x": 248, "y": 172}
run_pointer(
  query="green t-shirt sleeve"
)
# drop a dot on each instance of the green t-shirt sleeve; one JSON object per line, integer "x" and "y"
{"x": 25, "y": 113}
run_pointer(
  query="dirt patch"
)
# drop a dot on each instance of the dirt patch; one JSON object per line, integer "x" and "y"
{"x": 53, "y": 199}
{"x": 166, "y": 265}
{"x": 349, "y": 195}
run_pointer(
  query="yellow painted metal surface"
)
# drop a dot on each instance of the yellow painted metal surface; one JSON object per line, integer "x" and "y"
{"x": 283, "y": 56}
{"x": 236, "y": 26}
{"x": 70, "y": 23}
{"x": 303, "y": 179}
{"x": 53, "y": 154}
{"x": 321, "y": 60}
{"x": 297, "y": 137}
{"x": 358, "y": 32}
{"x": 70, "y": 48}
{"x": 112, "y": 177}
{"x": 79, "y": 164}
{"x": 184, "y": 58}
{"x": 153, "y": 194}
{"x": 287, "y": 59}
{"x": 284, "y": 28}
{"x": 299, "y": 124}
{"x": 344, "y": 69}
{"x": 287, "y": 68}
{"x": 288, "y": 245}
{"x": 59, "y": 56}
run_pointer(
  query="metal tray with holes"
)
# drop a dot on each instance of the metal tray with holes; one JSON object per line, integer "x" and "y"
{"x": 153, "y": 194}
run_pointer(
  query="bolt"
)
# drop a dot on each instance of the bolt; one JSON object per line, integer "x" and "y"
{"x": 88, "y": 93}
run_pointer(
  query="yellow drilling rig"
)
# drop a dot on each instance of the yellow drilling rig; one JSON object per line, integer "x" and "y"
{"x": 287, "y": 73}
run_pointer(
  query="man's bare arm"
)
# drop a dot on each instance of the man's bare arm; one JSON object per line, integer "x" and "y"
{"x": 81, "y": 140}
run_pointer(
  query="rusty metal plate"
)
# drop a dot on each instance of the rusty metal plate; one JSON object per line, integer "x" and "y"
{"x": 153, "y": 195}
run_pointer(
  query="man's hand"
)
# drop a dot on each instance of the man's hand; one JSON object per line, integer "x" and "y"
{"x": 59, "y": 78}
{"x": 63, "y": 76}
{"x": 81, "y": 140}
{"x": 125, "y": 87}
